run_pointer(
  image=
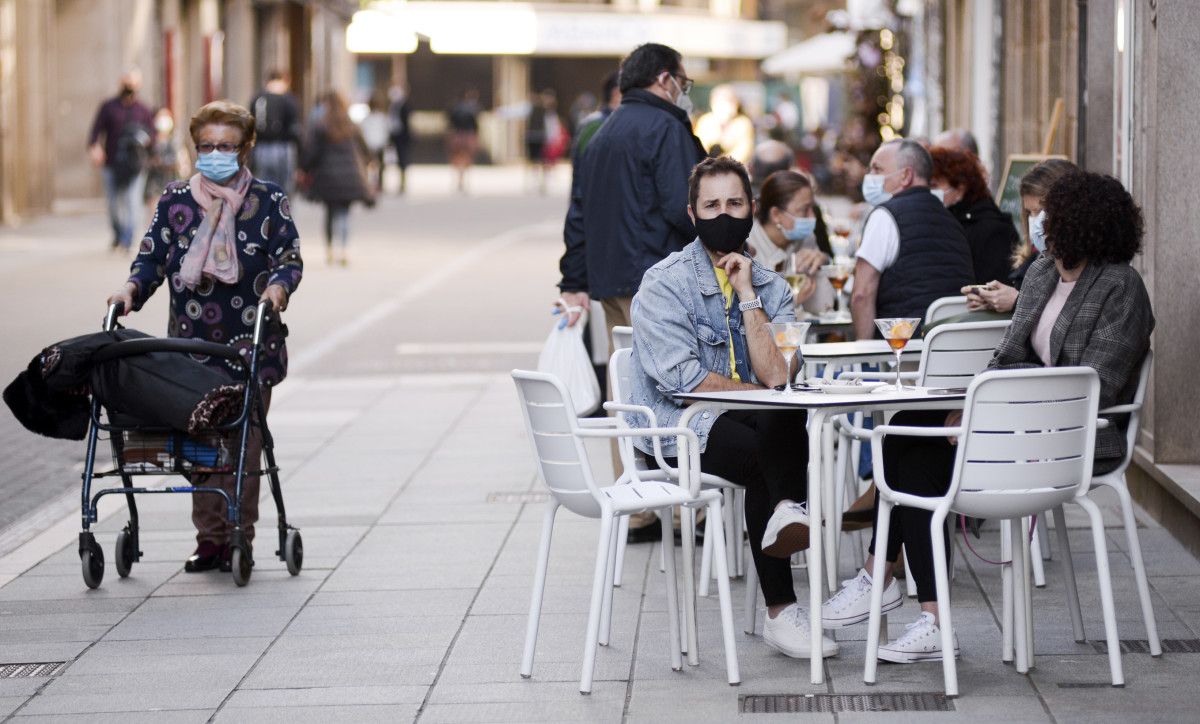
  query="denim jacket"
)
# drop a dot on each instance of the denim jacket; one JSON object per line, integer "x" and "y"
{"x": 680, "y": 335}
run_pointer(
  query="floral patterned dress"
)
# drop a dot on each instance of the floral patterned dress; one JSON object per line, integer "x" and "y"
{"x": 268, "y": 251}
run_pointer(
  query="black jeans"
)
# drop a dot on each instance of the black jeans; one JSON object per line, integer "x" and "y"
{"x": 919, "y": 466}
{"x": 767, "y": 452}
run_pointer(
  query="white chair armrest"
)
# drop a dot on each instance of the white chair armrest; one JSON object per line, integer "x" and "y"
{"x": 653, "y": 420}
{"x": 882, "y": 431}
{"x": 684, "y": 434}
{"x": 592, "y": 423}
{"x": 1120, "y": 409}
{"x": 843, "y": 423}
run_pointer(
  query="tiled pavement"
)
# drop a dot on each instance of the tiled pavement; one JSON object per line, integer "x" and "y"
{"x": 412, "y": 601}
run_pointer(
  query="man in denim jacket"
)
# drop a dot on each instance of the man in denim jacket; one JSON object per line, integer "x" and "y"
{"x": 700, "y": 324}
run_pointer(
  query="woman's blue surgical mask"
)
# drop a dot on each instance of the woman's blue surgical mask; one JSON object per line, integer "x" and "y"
{"x": 217, "y": 166}
{"x": 872, "y": 189}
{"x": 1037, "y": 234}
{"x": 802, "y": 227}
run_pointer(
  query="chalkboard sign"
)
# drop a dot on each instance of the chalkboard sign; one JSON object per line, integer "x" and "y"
{"x": 1008, "y": 195}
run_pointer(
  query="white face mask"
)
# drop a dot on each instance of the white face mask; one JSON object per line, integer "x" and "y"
{"x": 940, "y": 194}
{"x": 683, "y": 100}
{"x": 872, "y": 189}
{"x": 1037, "y": 235}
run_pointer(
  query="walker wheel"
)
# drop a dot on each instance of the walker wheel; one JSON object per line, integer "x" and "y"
{"x": 293, "y": 552}
{"x": 241, "y": 564}
{"x": 92, "y": 560}
{"x": 124, "y": 554}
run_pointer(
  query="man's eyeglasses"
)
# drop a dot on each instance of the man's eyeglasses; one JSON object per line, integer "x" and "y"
{"x": 685, "y": 83}
{"x": 206, "y": 148}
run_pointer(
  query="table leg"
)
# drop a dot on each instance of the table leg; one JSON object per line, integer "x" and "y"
{"x": 831, "y": 512}
{"x": 815, "y": 563}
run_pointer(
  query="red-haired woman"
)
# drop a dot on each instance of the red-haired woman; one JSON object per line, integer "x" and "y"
{"x": 990, "y": 232}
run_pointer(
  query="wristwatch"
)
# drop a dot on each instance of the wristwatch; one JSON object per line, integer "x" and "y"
{"x": 755, "y": 303}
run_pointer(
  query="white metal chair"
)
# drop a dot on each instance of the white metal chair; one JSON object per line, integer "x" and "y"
{"x": 620, "y": 370}
{"x": 556, "y": 435}
{"x": 622, "y": 338}
{"x": 1025, "y": 445}
{"x": 944, "y": 307}
{"x": 1116, "y": 481}
{"x": 953, "y": 355}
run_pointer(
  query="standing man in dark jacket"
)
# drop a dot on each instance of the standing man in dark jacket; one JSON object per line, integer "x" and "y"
{"x": 913, "y": 250}
{"x": 120, "y": 145}
{"x": 632, "y": 190}
{"x": 277, "y": 129}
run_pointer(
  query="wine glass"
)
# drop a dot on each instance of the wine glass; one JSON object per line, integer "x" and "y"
{"x": 897, "y": 331}
{"x": 838, "y": 273}
{"x": 788, "y": 337}
{"x": 793, "y": 276}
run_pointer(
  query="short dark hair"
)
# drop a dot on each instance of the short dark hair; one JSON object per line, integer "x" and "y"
{"x": 641, "y": 68}
{"x": 910, "y": 154}
{"x": 1091, "y": 217}
{"x": 276, "y": 74}
{"x": 718, "y": 166}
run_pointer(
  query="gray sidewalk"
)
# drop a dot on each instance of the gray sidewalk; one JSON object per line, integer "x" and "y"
{"x": 416, "y": 583}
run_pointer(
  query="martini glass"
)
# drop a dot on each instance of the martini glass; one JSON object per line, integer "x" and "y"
{"x": 788, "y": 337}
{"x": 897, "y": 331}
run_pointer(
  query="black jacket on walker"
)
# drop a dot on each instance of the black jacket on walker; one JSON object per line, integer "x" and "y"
{"x": 151, "y": 389}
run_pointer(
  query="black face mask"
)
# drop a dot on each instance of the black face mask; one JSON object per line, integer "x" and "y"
{"x": 725, "y": 233}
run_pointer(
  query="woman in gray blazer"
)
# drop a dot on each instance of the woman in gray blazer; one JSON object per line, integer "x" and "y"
{"x": 1081, "y": 304}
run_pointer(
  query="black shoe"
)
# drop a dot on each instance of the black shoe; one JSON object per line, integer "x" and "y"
{"x": 208, "y": 556}
{"x": 651, "y": 533}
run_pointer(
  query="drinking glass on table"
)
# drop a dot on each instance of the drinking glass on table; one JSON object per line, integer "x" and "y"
{"x": 838, "y": 273}
{"x": 788, "y": 337}
{"x": 794, "y": 277}
{"x": 897, "y": 331}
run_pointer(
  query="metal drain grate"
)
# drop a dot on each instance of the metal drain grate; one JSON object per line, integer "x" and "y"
{"x": 518, "y": 497}
{"x": 1142, "y": 646}
{"x": 28, "y": 671}
{"x": 830, "y": 703}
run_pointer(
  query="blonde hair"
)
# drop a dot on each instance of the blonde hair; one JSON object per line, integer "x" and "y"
{"x": 1036, "y": 183}
{"x": 225, "y": 113}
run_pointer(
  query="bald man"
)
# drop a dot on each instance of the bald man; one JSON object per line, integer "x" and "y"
{"x": 958, "y": 139}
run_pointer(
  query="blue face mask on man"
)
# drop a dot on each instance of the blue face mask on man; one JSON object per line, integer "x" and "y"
{"x": 217, "y": 165}
{"x": 802, "y": 228}
{"x": 872, "y": 188}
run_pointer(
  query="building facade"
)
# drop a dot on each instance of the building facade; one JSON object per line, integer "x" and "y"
{"x": 59, "y": 59}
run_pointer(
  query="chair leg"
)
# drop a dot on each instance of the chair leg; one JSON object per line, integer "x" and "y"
{"x": 910, "y": 583}
{"x": 1139, "y": 570}
{"x": 1019, "y": 577}
{"x": 1047, "y": 540}
{"x": 832, "y": 513}
{"x": 942, "y": 581}
{"x": 751, "y": 580}
{"x": 1039, "y": 570}
{"x": 672, "y": 581}
{"x": 883, "y": 521}
{"x": 539, "y": 587}
{"x": 1027, "y": 558}
{"x": 1006, "y": 590}
{"x": 1064, "y": 543}
{"x": 688, "y": 518}
{"x": 727, "y": 511}
{"x": 706, "y": 566}
{"x": 739, "y": 531}
{"x": 1106, "y": 594}
{"x": 726, "y": 598}
{"x": 606, "y": 611}
{"x": 622, "y": 537}
{"x": 600, "y": 580}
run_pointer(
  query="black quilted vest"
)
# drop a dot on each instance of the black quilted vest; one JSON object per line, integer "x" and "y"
{"x": 934, "y": 259}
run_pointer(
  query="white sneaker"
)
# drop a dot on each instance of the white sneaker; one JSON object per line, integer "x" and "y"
{"x": 921, "y": 641}
{"x": 789, "y": 632}
{"x": 852, "y": 604}
{"x": 787, "y": 531}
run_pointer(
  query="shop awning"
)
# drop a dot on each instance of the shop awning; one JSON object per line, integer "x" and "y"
{"x": 514, "y": 28}
{"x": 818, "y": 55}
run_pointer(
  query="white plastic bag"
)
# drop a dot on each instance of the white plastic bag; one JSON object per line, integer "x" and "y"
{"x": 565, "y": 357}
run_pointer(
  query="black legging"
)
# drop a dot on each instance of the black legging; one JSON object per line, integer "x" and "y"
{"x": 767, "y": 452}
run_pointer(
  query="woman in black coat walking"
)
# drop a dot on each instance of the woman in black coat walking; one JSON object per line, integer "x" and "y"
{"x": 334, "y": 161}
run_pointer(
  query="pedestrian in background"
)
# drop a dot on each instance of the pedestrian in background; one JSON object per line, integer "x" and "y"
{"x": 222, "y": 240}
{"x": 277, "y": 125}
{"x": 462, "y": 139}
{"x": 374, "y": 129}
{"x": 334, "y": 162}
{"x": 546, "y": 138}
{"x": 726, "y": 129}
{"x": 119, "y": 144}
{"x": 167, "y": 161}
{"x": 399, "y": 130}
{"x": 629, "y": 204}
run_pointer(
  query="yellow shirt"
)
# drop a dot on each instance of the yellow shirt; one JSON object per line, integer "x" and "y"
{"x": 727, "y": 292}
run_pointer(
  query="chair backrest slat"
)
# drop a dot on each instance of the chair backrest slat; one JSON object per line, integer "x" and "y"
{"x": 551, "y": 424}
{"x": 955, "y": 353}
{"x": 1026, "y": 431}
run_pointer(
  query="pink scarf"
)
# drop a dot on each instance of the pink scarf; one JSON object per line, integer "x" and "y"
{"x": 213, "y": 251}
